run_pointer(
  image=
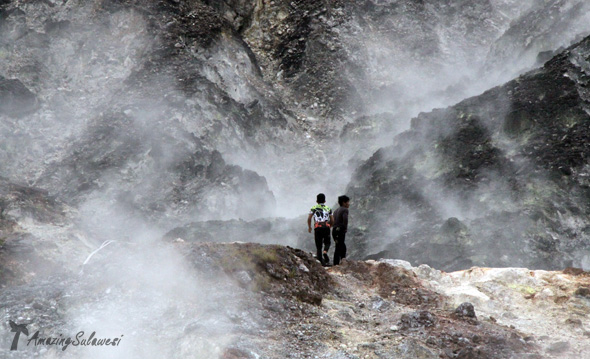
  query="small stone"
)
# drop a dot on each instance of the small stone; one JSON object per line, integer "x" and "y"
{"x": 583, "y": 292}
{"x": 574, "y": 322}
{"x": 545, "y": 293}
{"x": 394, "y": 328}
{"x": 465, "y": 310}
{"x": 243, "y": 277}
{"x": 509, "y": 315}
{"x": 561, "y": 299}
{"x": 418, "y": 319}
{"x": 558, "y": 347}
{"x": 309, "y": 296}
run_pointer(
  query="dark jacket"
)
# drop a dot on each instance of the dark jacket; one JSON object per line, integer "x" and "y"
{"x": 341, "y": 218}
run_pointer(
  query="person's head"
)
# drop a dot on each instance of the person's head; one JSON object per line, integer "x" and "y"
{"x": 343, "y": 201}
{"x": 321, "y": 198}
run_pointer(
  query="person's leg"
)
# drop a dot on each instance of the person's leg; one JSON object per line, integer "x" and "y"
{"x": 318, "y": 245}
{"x": 337, "y": 246}
{"x": 326, "y": 240}
{"x": 340, "y": 250}
{"x": 342, "y": 246}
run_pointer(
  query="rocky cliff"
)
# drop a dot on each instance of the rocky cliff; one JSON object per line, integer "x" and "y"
{"x": 498, "y": 179}
{"x": 267, "y": 84}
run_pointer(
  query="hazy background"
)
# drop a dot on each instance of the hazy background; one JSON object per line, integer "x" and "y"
{"x": 145, "y": 119}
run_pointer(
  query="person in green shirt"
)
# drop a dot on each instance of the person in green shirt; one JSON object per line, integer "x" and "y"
{"x": 323, "y": 220}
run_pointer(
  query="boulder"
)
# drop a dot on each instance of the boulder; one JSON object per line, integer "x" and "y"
{"x": 16, "y": 100}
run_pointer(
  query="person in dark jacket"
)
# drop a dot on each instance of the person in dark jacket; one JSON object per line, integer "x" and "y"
{"x": 340, "y": 228}
{"x": 323, "y": 220}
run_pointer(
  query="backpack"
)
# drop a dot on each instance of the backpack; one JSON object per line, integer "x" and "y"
{"x": 321, "y": 215}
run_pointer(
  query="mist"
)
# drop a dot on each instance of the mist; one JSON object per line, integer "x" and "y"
{"x": 401, "y": 76}
{"x": 143, "y": 120}
{"x": 400, "y": 67}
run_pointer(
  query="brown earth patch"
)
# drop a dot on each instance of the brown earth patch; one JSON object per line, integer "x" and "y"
{"x": 395, "y": 283}
{"x": 272, "y": 269}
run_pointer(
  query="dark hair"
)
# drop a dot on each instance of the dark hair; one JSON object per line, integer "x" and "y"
{"x": 321, "y": 198}
{"x": 343, "y": 199}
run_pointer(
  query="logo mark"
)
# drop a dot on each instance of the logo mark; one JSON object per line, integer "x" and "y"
{"x": 17, "y": 328}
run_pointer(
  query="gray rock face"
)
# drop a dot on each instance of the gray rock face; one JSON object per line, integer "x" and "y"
{"x": 269, "y": 85}
{"x": 505, "y": 164}
{"x": 37, "y": 236}
{"x": 15, "y": 99}
{"x": 135, "y": 108}
{"x": 155, "y": 171}
{"x": 547, "y": 27}
{"x": 343, "y": 56}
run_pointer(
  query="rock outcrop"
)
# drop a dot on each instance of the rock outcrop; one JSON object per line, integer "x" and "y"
{"x": 37, "y": 235}
{"x": 245, "y": 300}
{"x": 498, "y": 179}
{"x": 546, "y": 29}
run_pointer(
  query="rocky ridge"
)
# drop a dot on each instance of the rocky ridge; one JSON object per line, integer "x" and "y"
{"x": 490, "y": 180}
{"x": 278, "y": 302}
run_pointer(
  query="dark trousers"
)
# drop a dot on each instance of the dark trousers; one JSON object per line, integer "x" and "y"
{"x": 340, "y": 246}
{"x": 322, "y": 237}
